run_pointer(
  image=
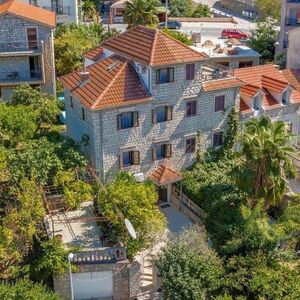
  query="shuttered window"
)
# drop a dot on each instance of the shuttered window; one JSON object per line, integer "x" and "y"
{"x": 162, "y": 114}
{"x": 218, "y": 138}
{"x": 190, "y": 72}
{"x": 164, "y": 75}
{"x": 220, "y": 103}
{"x": 161, "y": 151}
{"x": 190, "y": 145}
{"x": 128, "y": 120}
{"x": 32, "y": 38}
{"x": 129, "y": 158}
{"x": 191, "y": 108}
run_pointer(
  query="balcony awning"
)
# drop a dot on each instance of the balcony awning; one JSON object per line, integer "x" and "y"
{"x": 164, "y": 175}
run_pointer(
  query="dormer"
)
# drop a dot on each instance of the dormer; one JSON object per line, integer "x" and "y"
{"x": 256, "y": 102}
{"x": 286, "y": 96}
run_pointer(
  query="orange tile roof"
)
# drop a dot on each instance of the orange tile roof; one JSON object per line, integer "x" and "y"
{"x": 244, "y": 108}
{"x": 273, "y": 84}
{"x": 94, "y": 54}
{"x": 112, "y": 82}
{"x": 151, "y": 47}
{"x": 293, "y": 77}
{"x": 253, "y": 75}
{"x": 163, "y": 175}
{"x": 29, "y": 12}
{"x": 269, "y": 102}
{"x": 249, "y": 90}
{"x": 221, "y": 84}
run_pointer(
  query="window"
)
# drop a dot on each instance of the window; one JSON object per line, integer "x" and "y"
{"x": 71, "y": 102}
{"x": 218, "y": 138}
{"x": 164, "y": 75}
{"x": 57, "y": 6}
{"x": 190, "y": 71}
{"x": 82, "y": 113}
{"x": 190, "y": 145}
{"x": 34, "y": 67}
{"x": 284, "y": 98}
{"x": 33, "y": 2}
{"x": 162, "y": 114}
{"x": 245, "y": 64}
{"x": 161, "y": 151}
{"x": 256, "y": 105}
{"x": 32, "y": 38}
{"x": 128, "y": 120}
{"x": 191, "y": 108}
{"x": 220, "y": 103}
{"x": 129, "y": 158}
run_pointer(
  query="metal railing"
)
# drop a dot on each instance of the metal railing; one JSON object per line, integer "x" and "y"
{"x": 19, "y": 46}
{"x": 60, "y": 11}
{"x": 15, "y": 76}
{"x": 107, "y": 255}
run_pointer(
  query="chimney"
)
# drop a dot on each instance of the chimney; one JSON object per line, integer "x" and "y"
{"x": 84, "y": 76}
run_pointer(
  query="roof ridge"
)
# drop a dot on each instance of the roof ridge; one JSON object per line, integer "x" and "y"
{"x": 153, "y": 48}
{"x": 109, "y": 85}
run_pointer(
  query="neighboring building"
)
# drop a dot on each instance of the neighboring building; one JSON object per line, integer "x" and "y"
{"x": 66, "y": 10}
{"x": 270, "y": 91}
{"x": 246, "y": 8}
{"x": 26, "y": 47}
{"x": 293, "y": 49}
{"x": 290, "y": 19}
{"x": 148, "y": 105}
{"x": 231, "y": 53}
{"x": 102, "y": 272}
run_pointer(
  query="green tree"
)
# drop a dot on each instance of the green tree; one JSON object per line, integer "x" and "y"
{"x": 46, "y": 107}
{"x": 263, "y": 39}
{"x": 180, "y": 36}
{"x": 137, "y": 202}
{"x": 202, "y": 10}
{"x": 265, "y": 161}
{"x": 17, "y": 124}
{"x": 141, "y": 12}
{"x": 25, "y": 290}
{"x": 89, "y": 9}
{"x": 269, "y": 8}
{"x": 189, "y": 269}
{"x": 181, "y": 8}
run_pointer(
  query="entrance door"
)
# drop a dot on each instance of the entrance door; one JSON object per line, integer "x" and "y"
{"x": 93, "y": 285}
{"x": 162, "y": 194}
{"x": 33, "y": 66}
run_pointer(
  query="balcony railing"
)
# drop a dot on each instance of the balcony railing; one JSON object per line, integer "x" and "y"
{"x": 15, "y": 77}
{"x": 107, "y": 255}
{"x": 62, "y": 11}
{"x": 20, "y": 47}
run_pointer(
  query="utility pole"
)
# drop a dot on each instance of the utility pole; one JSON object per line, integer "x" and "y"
{"x": 166, "y": 22}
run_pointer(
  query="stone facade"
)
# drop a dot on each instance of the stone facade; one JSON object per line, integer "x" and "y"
{"x": 15, "y": 56}
{"x": 107, "y": 142}
{"x": 125, "y": 276}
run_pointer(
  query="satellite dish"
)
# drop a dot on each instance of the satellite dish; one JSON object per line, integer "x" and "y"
{"x": 130, "y": 228}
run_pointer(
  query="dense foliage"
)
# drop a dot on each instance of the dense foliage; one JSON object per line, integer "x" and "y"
{"x": 181, "y": 8}
{"x": 269, "y": 8}
{"x": 137, "y": 202}
{"x": 202, "y": 10}
{"x": 263, "y": 39}
{"x": 180, "y": 36}
{"x": 72, "y": 41}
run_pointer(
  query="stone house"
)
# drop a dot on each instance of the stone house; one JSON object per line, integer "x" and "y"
{"x": 147, "y": 104}
{"x": 272, "y": 92}
{"x": 26, "y": 47}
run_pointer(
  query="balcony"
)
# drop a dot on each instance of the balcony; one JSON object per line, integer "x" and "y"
{"x": 61, "y": 11}
{"x": 17, "y": 48}
{"x": 16, "y": 78}
{"x": 104, "y": 256}
{"x": 214, "y": 72}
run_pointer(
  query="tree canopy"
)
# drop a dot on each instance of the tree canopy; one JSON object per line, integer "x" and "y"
{"x": 181, "y": 8}
{"x": 269, "y": 8}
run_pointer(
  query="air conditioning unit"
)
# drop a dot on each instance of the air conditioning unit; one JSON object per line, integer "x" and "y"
{"x": 139, "y": 177}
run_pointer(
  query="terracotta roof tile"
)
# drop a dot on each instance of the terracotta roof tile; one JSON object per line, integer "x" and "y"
{"x": 249, "y": 90}
{"x": 269, "y": 102}
{"x": 151, "y": 47}
{"x": 244, "y": 108}
{"x": 94, "y": 54}
{"x": 29, "y": 12}
{"x": 273, "y": 84}
{"x": 293, "y": 77}
{"x": 163, "y": 175}
{"x": 221, "y": 84}
{"x": 112, "y": 82}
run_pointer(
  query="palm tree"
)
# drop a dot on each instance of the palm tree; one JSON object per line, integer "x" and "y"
{"x": 141, "y": 12}
{"x": 265, "y": 160}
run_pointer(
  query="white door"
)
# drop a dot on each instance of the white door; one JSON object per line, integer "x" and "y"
{"x": 91, "y": 285}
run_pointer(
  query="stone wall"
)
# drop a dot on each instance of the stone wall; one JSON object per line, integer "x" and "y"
{"x": 126, "y": 279}
{"x": 13, "y": 31}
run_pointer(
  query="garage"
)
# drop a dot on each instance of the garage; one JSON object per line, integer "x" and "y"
{"x": 93, "y": 285}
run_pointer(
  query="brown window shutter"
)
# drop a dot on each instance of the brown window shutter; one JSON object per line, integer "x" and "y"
{"x": 169, "y": 113}
{"x": 119, "y": 121}
{"x": 153, "y": 153}
{"x": 120, "y": 162}
{"x": 171, "y": 74}
{"x": 168, "y": 150}
{"x": 157, "y": 76}
{"x": 153, "y": 116}
{"x": 136, "y": 157}
{"x": 135, "y": 116}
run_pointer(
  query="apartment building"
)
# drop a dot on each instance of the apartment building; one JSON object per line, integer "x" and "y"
{"x": 147, "y": 104}
{"x": 66, "y": 10}
{"x": 247, "y": 8}
{"x": 290, "y": 20}
{"x": 26, "y": 47}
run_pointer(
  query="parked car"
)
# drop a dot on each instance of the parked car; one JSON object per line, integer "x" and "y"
{"x": 234, "y": 33}
{"x": 170, "y": 25}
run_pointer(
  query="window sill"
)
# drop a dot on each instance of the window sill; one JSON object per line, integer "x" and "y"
{"x": 188, "y": 117}
{"x": 124, "y": 168}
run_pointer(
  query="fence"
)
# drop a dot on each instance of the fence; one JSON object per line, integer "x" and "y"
{"x": 187, "y": 206}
